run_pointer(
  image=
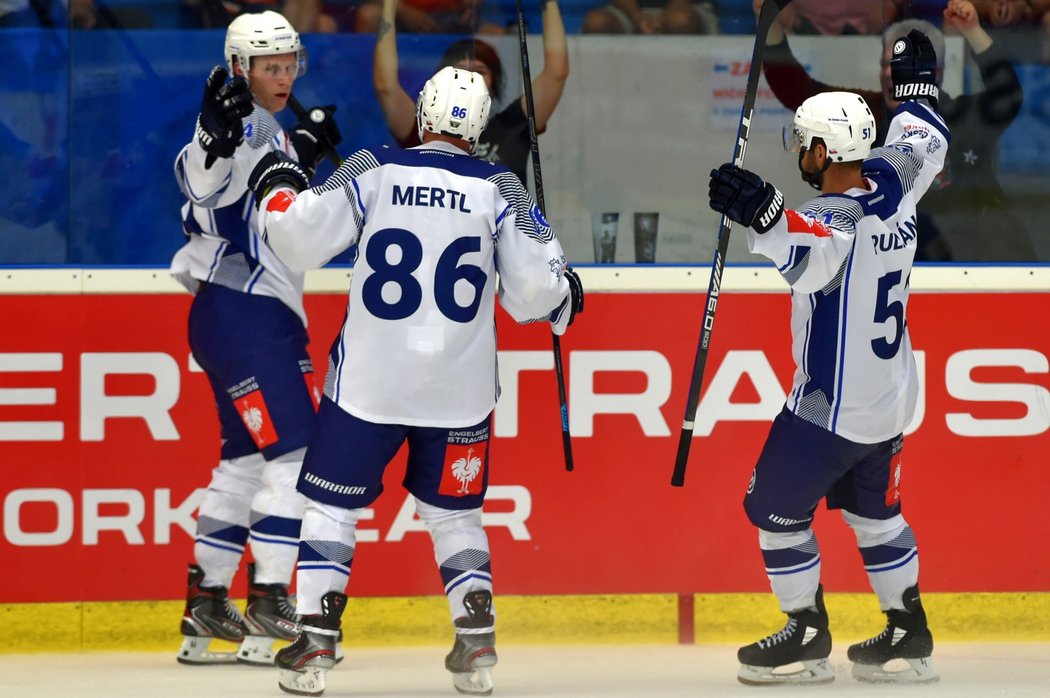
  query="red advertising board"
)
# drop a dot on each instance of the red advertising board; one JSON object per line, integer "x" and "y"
{"x": 108, "y": 435}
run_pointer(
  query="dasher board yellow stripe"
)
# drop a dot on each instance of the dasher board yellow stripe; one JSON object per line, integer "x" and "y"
{"x": 153, "y": 626}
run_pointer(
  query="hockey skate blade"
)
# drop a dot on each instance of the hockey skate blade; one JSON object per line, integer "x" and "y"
{"x": 811, "y": 671}
{"x": 474, "y": 683}
{"x": 308, "y": 682}
{"x": 195, "y": 652}
{"x": 257, "y": 650}
{"x": 898, "y": 671}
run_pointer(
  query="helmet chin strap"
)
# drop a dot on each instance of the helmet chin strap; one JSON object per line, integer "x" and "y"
{"x": 813, "y": 179}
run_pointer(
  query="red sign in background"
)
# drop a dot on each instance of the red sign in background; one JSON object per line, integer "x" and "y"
{"x": 87, "y": 514}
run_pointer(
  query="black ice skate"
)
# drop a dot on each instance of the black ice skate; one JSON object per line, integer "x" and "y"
{"x": 474, "y": 653}
{"x": 209, "y": 614}
{"x": 805, "y": 639}
{"x": 303, "y": 664}
{"x": 269, "y": 616}
{"x": 901, "y": 652}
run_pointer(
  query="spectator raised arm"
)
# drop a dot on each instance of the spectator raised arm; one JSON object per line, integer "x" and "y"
{"x": 505, "y": 139}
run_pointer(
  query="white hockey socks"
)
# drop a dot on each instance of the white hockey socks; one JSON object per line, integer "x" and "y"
{"x": 276, "y": 517}
{"x": 223, "y": 518}
{"x": 326, "y": 551}
{"x": 793, "y": 567}
{"x": 891, "y": 557}
{"x": 461, "y": 550}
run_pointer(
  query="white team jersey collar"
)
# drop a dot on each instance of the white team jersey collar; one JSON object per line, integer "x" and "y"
{"x": 442, "y": 146}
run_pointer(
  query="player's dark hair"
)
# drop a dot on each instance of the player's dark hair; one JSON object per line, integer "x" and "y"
{"x": 475, "y": 49}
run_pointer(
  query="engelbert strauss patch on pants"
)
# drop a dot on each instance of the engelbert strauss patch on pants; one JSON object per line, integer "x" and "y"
{"x": 463, "y": 472}
{"x": 252, "y": 408}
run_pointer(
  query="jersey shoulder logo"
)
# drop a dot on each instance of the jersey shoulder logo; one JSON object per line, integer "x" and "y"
{"x": 281, "y": 201}
{"x": 805, "y": 224}
{"x": 543, "y": 228}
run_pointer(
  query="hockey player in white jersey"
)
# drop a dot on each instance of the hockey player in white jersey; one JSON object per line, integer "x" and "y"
{"x": 247, "y": 330}
{"x": 415, "y": 361}
{"x": 847, "y": 256}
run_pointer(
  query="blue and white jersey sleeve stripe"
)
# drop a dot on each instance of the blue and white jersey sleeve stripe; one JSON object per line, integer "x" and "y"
{"x": 525, "y": 241}
{"x": 308, "y": 235}
{"x": 808, "y": 245}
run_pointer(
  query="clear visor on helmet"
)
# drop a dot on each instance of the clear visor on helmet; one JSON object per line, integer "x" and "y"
{"x": 793, "y": 138}
{"x": 279, "y": 65}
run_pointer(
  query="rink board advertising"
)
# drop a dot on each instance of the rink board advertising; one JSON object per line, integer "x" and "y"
{"x": 108, "y": 434}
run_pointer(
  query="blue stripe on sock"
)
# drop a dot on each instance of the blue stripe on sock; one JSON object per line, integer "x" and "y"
{"x": 472, "y": 575}
{"x": 794, "y": 570}
{"x": 892, "y": 566}
{"x": 294, "y": 542}
{"x": 222, "y": 546}
{"x": 277, "y": 526}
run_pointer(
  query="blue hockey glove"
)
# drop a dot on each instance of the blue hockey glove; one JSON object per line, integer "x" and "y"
{"x": 913, "y": 68}
{"x": 276, "y": 169}
{"x": 745, "y": 198}
{"x": 219, "y": 127}
{"x": 572, "y": 306}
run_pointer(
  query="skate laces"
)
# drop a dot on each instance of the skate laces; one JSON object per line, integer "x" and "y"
{"x": 228, "y": 609}
{"x": 878, "y": 638}
{"x": 231, "y": 611}
{"x": 779, "y": 636}
{"x": 285, "y": 608}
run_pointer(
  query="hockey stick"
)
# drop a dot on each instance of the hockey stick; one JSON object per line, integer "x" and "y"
{"x": 293, "y": 103}
{"x": 770, "y": 9}
{"x": 537, "y": 175}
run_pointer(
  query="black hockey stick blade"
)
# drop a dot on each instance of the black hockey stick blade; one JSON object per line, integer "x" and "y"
{"x": 770, "y": 9}
{"x": 537, "y": 177}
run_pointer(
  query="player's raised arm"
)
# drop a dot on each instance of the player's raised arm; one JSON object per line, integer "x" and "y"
{"x": 833, "y": 132}
{"x": 918, "y": 137}
{"x": 202, "y": 168}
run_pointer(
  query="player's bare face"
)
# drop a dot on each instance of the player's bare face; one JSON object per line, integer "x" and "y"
{"x": 476, "y": 66}
{"x": 271, "y": 78}
{"x": 811, "y": 165}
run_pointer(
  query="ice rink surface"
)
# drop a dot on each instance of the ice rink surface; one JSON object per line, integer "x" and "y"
{"x": 967, "y": 669}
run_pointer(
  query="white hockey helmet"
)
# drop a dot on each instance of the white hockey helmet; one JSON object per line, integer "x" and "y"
{"x": 262, "y": 34}
{"x": 842, "y": 120}
{"x": 454, "y": 102}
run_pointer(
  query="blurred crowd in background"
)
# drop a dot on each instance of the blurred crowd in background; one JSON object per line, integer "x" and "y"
{"x": 493, "y": 17}
{"x": 86, "y": 200}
